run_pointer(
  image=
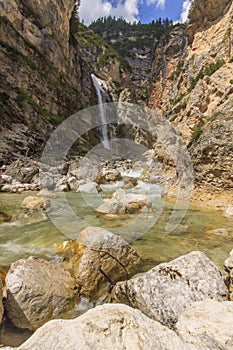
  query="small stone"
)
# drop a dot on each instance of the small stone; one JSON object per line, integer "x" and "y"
{"x": 35, "y": 202}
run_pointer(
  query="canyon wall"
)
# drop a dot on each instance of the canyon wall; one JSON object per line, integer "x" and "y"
{"x": 192, "y": 86}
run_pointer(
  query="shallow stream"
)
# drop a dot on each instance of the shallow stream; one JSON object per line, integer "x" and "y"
{"x": 35, "y": 234}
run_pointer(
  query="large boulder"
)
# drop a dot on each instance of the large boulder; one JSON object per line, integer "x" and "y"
{"x": 124, "y": 203}
{"x": 37, "y": 291}
{"x": 110, "y": 327}
{"x": 166, "y": 290}
{"x": 209, "y": 317}
{"x": 98, "y": 260}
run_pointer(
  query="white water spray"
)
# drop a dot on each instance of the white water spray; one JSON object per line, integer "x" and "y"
{"x": 102, "y": 98}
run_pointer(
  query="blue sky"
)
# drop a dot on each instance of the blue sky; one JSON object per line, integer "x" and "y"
{"x": 131, "y": 10}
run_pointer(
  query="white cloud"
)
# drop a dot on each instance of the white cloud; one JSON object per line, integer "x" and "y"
{"x": 185, "y": 10}
{"x": 92, "y": 9}
{"x": 159, "y": 3}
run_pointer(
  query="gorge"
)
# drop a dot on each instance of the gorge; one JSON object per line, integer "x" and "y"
{"x": 152, "y": 146}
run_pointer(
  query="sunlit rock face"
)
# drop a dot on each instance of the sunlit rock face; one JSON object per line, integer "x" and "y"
{"x": 192, "y": 87}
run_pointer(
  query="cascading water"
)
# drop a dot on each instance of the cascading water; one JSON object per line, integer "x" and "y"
{"x": 103, "y": 97}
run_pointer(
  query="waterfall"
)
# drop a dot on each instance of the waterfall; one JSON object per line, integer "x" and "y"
{"x": 102, "y": 98}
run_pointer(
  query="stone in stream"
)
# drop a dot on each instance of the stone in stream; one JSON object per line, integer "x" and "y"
{"x": 108, "y": 176}
{"x": 37, "y": 291}
{"x": 35, "y": 202}
{"x": 4, "y": 217}
{"x": 124, "y": 203}
{"x": 90, "y": 188}
{"x": 111, "y": 327}
{"x": 98, "y": 259}
{"x": 166, "y": 290}
{"x": 210, "y": 317}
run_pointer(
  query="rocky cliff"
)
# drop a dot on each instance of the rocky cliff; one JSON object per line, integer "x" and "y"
{"x": 192, "y": 85}
{"x": 135, "y": 42}
{"x": 46, "y": 59}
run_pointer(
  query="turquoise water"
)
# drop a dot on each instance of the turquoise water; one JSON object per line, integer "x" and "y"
{"x": 35, "y": 234}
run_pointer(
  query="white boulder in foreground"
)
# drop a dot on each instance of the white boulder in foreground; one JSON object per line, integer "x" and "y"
{"x": 124, "y": 203}
{"x": 210, "y": 317}
{"x": 110, "y": 327}
{"x": 166, "y": 290}
{"x": 37, "y": 291}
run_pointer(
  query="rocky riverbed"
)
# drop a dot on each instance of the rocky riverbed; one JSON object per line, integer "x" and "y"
{"x": 168, "y": 307}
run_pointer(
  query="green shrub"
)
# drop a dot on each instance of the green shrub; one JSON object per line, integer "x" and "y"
{"x": 231, "y": 81}
{"x": 196, "y": 133}
{"x": 209, "y": 70}
{"x": 176, "y": 100}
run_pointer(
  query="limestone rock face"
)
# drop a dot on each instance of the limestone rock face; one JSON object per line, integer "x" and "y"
{"x": 166, "y": 290}
{"x": 192, "y": 88}
{"x": 202, "y": 14}
{"x": 58, "y": 24}
{"x": 107, "y": 327}
{"x": 98, "y": 260}
{"x": 45, "y": 70}
{"x": 209, "y": 317}
{"x": 37, "y": 291}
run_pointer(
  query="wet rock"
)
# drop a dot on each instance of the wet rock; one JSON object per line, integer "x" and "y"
{"x": 37, "y": 291}
{"x": 35, "y": 202}
{"x": 166, "y": 290}
{"x": 222, "y": 232}
{"x": 4, "y": 216}
{"x": 89, "y": 188}
{"x": 130, "y": 182}
{"x": 209, "y": 317}
{"x": 98, "y": 260}
{"x": 110, "y": 327}
{"x": 124, "y": 203}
